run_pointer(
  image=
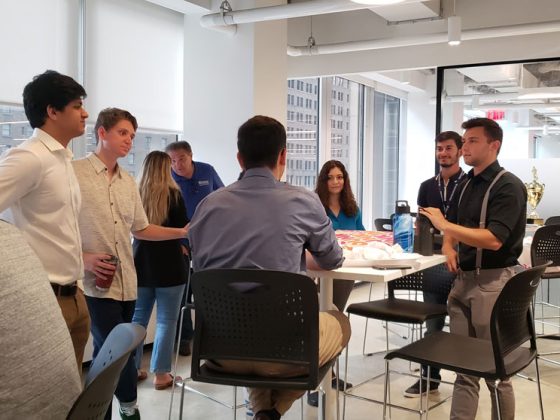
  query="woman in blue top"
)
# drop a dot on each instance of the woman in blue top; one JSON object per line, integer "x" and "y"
{"x": 334, "y": 191}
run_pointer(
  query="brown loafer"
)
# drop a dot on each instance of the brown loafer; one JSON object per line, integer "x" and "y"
{"x": 167, "y": 384}
{"x": 142, "y": 375}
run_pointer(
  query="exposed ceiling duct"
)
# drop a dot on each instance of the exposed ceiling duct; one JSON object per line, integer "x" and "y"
{"x": 467, "y": 35}
{"x": 398, "y": 13}
{"x": 285, "y": 11}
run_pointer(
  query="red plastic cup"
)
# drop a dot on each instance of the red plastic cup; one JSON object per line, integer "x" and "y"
{"x": 103, "y": 285}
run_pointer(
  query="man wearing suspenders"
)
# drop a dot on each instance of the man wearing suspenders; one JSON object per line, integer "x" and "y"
{"x": 489, "y": 232}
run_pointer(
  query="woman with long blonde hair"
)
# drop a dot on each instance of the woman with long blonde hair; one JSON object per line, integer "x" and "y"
{"x": 160, "y": 266}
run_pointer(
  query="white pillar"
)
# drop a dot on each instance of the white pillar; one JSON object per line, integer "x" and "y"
{"x": 228, "y": 79}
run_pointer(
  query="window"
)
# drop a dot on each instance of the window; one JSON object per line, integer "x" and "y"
{"x": 346, "y": 114}
{"x": 345, "y": 123}
{"x": 386, "y": 152}
{"x": 14, "y": 127}
{"x": 302, "y": 134}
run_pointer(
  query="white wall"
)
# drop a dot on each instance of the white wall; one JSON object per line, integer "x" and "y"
{"x": 227, "y": 81}
{"x": 419, "y": 149}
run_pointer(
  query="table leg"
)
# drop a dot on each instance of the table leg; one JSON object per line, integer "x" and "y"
{"x": 327, "y": 406}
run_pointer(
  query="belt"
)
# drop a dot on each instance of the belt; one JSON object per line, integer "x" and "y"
{"x": 68, "y": 290}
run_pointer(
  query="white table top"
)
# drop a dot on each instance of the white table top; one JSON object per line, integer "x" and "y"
{"x": 376, "y": 275}
{"x": 360, "y": 274}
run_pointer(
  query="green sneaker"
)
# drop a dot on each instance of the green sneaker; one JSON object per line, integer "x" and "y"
{"x": 129, "y": 413}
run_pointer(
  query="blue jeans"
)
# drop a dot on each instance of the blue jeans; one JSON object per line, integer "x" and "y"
{"x": 168, "y": 305}
{"x": 105, "y": 314}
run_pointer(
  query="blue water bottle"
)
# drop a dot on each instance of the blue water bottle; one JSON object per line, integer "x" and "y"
{"x": 403, "y": 229}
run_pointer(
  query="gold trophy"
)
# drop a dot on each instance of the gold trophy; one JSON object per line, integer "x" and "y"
{"x": 535, "y": 191}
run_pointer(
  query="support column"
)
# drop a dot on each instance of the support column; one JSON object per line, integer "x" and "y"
{"x": 228, "y": 79}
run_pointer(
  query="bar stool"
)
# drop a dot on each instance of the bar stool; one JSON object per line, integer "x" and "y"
{"x": 433, "y": 280}
{"x": 546, "y": 247}
{"x": 511, "y": 325}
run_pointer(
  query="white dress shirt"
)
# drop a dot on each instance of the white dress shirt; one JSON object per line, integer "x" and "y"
{"x": 39, "y": 193}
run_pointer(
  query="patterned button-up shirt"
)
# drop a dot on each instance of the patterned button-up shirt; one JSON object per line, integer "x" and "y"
{"x": 111, "y": 210}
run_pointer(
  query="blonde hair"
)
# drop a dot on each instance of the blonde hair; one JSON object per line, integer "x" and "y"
{"x": 158, "y": 189}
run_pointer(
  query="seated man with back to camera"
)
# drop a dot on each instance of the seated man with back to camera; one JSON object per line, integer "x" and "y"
{"x": 290, "y": 220}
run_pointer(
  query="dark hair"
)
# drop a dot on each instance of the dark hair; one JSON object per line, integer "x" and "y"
{"x": 177, "y": 146}
{"x": 450, "y": 135}
{"x": 260, "y": 140}
{"x": 109, "y": 117}
{"x": 347, "y": 200}
{"x": 49, "y": 89}
{"x": 492, "y": 129}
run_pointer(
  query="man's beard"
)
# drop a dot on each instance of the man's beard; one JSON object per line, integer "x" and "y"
{"x": 446, "y": 165}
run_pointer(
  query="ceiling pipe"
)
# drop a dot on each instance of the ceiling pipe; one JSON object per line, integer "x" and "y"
{"x": 284, "y": 11}
{"x": 542, "y": 93}
{"x": 496, "y": 96}
{"x": 437, "y": 38}
{"x": 531, "y": 105}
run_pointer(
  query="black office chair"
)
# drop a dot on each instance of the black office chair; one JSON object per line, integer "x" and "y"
{"x": 256, "y": 315}
{"x": 104, "y": 373}
{"x": 395, "y": 309}
{"x": 546, "y": 247}
{"x": 383, "y": 225}
{"x": 511, "y": 325}
{"x": 553, "y": 220}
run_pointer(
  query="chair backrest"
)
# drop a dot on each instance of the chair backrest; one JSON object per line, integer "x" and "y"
{"x": 257, "y": 315}
{"x": 104, "y": 373}
{"x": 435, "y": 280}
{"x": 546, "y": 245}
{"x": 553, "y": 220}
{"x": 383, "y": 225}
{"x": 511, "y": 323}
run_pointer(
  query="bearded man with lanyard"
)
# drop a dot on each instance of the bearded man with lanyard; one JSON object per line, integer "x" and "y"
{"x": 489, "y": 231}
{"x": 440, "y": 191}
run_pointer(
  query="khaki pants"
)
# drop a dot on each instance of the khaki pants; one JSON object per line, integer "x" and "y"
{"x": 75, "y": 312}
{"x": 334, "y": 334}
{"x": 470, "y": 306}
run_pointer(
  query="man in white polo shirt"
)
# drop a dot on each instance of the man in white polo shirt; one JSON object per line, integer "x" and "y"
{"x": 40, "y": 192}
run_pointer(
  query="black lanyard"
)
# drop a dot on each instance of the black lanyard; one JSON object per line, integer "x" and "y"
{"x": 443, "y": 190}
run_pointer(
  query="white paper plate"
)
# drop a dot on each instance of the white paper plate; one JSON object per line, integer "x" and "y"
{"x": 403, "y": 259}
{"x": 352, "y": 262}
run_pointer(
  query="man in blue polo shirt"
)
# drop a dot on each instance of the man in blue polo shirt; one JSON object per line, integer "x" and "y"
{"x": 196, "y": 180}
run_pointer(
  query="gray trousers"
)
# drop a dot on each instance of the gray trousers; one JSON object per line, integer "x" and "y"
{"x": 469, "y": 306}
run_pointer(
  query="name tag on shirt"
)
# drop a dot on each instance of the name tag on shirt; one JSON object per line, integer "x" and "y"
{"x": 203, "y": 183}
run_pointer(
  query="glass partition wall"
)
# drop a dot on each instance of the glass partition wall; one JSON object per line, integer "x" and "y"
{"x": 524, "y": 98}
